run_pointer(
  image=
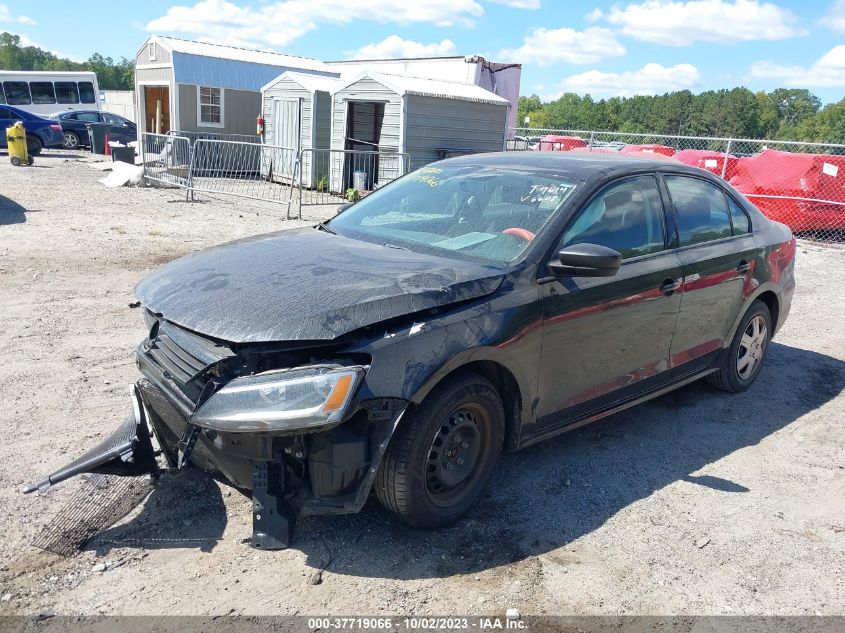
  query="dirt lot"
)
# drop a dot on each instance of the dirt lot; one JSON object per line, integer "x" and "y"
{"x": 697, "y": 503}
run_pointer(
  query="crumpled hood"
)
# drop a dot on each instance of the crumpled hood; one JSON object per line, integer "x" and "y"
{"x": 305, "y": 284}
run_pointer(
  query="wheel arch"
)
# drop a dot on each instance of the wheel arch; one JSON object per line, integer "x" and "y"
{"x": 504, "y": 380}
{"x": 769, "y": 294}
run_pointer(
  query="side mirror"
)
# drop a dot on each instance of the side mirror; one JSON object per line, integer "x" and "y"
{"x": 586, "y": 260}
{"x": 343, "y": 208}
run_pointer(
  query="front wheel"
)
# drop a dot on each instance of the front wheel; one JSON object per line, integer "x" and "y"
{"x": 442, "y": 456}
{"x": 744, "y": 359}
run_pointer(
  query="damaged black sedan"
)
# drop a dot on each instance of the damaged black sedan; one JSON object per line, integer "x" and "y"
{"x": 477, "y": 305}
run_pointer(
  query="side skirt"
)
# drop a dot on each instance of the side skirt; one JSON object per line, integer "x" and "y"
{"x": 616, "y": 408}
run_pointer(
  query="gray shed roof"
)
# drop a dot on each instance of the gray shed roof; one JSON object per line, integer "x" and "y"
{"x": 312, "y": 83}
{"x": 429, "y": 88}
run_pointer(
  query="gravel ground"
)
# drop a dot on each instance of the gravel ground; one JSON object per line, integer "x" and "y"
{"x": 696, "y": 503}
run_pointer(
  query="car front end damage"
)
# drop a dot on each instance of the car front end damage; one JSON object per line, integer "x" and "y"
{"x": 280, "y": 421}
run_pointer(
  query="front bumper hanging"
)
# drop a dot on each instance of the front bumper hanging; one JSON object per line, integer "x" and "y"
{"x": 128, "y": 451}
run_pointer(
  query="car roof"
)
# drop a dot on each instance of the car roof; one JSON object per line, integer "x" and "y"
{"x": 581, "y": 166}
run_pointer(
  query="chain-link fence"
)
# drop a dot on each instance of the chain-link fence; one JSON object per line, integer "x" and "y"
{"x": 799, "y": 184}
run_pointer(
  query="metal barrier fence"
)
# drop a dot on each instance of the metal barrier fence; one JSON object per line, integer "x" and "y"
{"x": 799, "y": 184}
{"x": 166, "y": 159}
{"x": 270, "y": 173}
{"x": 246, "y": 170}
{"x": 333, "y": 177}
{"x": 214, "y": 136}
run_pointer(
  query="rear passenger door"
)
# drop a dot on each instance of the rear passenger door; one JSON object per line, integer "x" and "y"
{"x": 717, "y": 252}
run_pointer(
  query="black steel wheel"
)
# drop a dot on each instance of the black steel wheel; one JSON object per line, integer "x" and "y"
{"x": 442, "y": 456}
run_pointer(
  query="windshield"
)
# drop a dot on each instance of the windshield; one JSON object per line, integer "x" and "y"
{"x": 470, "y": 212}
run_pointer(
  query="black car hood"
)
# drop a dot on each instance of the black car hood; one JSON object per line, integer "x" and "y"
{"x": 305, "y": 284}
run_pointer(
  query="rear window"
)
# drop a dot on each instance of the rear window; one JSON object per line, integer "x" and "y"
{"x": 17, "y": 92}
{"x": 86, "y": 92}
{"x": 66, "y": 92}
{"x": 701, "y": 208}
{"x": 738, "y": 217}
{"x": 42, "y": 92}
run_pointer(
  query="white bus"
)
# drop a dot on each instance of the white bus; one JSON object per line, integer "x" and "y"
{"x": 47, "y": 92}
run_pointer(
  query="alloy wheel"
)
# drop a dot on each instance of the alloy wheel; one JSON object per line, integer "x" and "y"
{"x": 752, "y": 347}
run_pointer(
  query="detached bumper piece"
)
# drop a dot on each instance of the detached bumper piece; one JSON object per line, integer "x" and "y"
{"x": 126, "y": 452}
{"x": 273, "y": 519}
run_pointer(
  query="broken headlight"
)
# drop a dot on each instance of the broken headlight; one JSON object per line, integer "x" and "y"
{"x": 281, "y": 400}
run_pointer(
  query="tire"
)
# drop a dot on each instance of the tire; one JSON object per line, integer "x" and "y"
{"x": 34, "y": 145}
{"x": 16, "y": 161}
{"x": 744, "y": 359}
{"x": 70, "y": 140}
{"x": 415, "y": 481}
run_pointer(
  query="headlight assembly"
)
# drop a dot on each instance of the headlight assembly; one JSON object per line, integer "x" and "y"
{"x": 281, "y": 400}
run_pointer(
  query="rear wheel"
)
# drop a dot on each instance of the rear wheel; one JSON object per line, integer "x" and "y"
{"x": 70, "y": 140}
{"x": 442, "y": 456}
{"x": 744, "y": 360}
{"x": 33, "y": 145}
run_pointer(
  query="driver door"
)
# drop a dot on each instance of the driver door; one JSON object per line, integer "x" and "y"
{"x": 605, "y": 339}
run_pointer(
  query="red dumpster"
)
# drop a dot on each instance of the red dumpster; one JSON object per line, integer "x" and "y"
{"x": 648, "y": 149}
{"x": 555, "y": 143}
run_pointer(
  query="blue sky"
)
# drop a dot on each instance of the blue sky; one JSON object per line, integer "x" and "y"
{"x": 604, "y": 48}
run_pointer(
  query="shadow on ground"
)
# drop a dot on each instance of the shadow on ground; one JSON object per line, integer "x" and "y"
{"x": 11, "y": 212}
{"x": 541, "y": 498}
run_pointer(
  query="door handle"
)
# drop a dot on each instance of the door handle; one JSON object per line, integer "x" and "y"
{"x": 669, "y": 286}
{"x": 743, "y": 267}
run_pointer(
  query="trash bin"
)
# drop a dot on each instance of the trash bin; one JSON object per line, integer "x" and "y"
{"x": 359, "y": 180}
{"x": 16, "y": 142}
{"x": 123, "y": 154}
{"x": 98, "y": 134}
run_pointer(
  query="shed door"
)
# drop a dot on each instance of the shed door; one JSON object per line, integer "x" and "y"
{"x": 287, "y": 126}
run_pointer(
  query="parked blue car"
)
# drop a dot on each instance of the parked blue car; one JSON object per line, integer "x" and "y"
{"x": 40, "y": 132}
{"x": 76, "y": 134}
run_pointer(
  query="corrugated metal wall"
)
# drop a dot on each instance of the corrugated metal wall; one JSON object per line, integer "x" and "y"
{"x": 434, "y": 124}
{"x": 120, "y": 102}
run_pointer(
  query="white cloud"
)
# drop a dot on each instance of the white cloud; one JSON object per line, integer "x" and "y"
{"x": 394, "y": 46}
{"x": 6, "y": 17}
{"x": 519, "y": 4}
{"x": 679, "y": 23}
{"x": 545, "y": 47}
{"x": 651, "y": 79}
{"x": 277, "y": 24}
{"x": 828, "y": 71}
{"x": 835, "y": 17}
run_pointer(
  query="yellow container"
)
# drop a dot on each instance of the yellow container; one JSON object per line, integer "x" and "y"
{"x": 16, "y": 142}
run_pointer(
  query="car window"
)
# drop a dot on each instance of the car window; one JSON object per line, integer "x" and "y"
{"x": 471, "y": 212}
{"x": 701, "y": 210}
{"x": 88, "y": 117}
{"x": 112, "y": 119}
{"x": 66, "y": 92}
{"x": 2, "y": 94}
{"x": 626, "y": 216}
{"x": 17, "y": 92}
{"x": 70, "y": 116}
{"x": 86, "y": 92}
{"x": 739, "y": 218}
{"x": 42, "y": 92}
{"x": 7, "y": 114}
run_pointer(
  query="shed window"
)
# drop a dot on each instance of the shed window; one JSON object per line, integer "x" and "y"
{"x": 66, "y": 92}
{"x": 42, "y": 92}
{"x": 211, "y": 106}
